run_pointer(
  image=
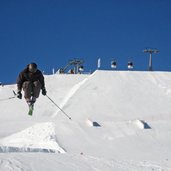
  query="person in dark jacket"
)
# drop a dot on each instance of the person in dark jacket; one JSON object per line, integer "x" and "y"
{"x": 31, "y": 80}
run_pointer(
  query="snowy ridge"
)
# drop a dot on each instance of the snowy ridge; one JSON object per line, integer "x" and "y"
{"x": 136, "y": 90}
{"x": 73, "y": 90}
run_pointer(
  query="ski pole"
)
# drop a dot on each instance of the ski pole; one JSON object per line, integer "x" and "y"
{"x": 8, "y": 98}
{"x": 58, "y": 107}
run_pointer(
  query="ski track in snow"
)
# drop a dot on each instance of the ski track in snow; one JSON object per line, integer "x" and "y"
{"x": 119, "y": 165}
{"x": 12, "y": 164}
{"x": 77, "y": 162}
{"x": 73, "y": 90}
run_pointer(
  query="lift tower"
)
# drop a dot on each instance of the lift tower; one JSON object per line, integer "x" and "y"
{"x": 150, "y": 51}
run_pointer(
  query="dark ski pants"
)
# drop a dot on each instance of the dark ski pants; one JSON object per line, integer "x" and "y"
{"x": 31, "y": 89}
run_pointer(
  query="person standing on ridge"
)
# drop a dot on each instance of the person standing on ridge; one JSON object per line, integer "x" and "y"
{"x": 31, "y": 80}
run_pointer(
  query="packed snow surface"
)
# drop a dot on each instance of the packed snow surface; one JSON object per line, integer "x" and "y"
{"x": 38, "y": 138}
{"x": 121, "y": 120}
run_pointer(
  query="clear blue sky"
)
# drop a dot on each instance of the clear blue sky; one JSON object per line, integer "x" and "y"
{"x": 51, "y": 32}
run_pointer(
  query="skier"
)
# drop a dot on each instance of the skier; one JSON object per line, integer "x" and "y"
{"x": 31, "y": 80}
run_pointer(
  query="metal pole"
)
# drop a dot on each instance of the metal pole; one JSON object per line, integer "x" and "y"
{"x": 150, "y": 62}
{"x": 150, "y": 51}
{"x": 58, "y": 107}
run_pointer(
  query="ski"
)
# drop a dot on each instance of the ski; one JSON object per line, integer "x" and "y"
{"x": 30, "y": 104}
{"x": 31, "y": 108}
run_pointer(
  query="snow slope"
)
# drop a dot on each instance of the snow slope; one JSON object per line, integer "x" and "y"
{"x": 121, "y": 120}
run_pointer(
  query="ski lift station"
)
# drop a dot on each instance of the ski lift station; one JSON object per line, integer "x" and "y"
{"x": 76, "y": 66}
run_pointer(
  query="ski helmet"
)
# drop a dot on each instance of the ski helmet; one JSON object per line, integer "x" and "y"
{"x": 32, "y": 67}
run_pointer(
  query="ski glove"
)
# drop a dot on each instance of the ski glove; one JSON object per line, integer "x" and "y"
{"x": 19, "y": 95}
{"x": 44, "y": 91}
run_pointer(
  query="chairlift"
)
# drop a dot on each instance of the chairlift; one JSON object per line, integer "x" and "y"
{"x": 61, "y": 71}
{"x": 71, "y": 71}
{"x": 81, "y": 68}
{"x": 130, "y": 65}
{"x": 113, "y": 64}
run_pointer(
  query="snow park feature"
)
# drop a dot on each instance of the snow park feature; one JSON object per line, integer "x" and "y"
{"x": 142, "y": 124}
{"x": 132, "y": 108}
{"x": 38, "y": 138}
{"x": 92, "y": 123}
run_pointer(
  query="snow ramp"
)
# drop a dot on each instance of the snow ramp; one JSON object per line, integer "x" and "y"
{"x": 121, "y": 113}
{"x": 39, "y": 138}
{"x": 122, "y": 95}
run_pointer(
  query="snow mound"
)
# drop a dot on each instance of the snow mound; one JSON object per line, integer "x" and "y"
{"x": 92, "y": 123}
{"x": 39, "y": 138}
{"x": 142, "y": 124}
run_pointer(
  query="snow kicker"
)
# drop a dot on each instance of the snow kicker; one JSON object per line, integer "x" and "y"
{"x": 39, "y": 138}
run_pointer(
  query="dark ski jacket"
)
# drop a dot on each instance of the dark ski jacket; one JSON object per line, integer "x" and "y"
{"x": 26, "y": 75}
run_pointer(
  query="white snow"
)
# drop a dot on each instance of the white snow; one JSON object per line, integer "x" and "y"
{"x": 121, "y": 120}
{"x": 39, "y": 138}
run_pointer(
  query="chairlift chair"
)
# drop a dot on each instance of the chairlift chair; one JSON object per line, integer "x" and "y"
{"x": 130, "y": 65}
{"x": 113, "y": 64}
